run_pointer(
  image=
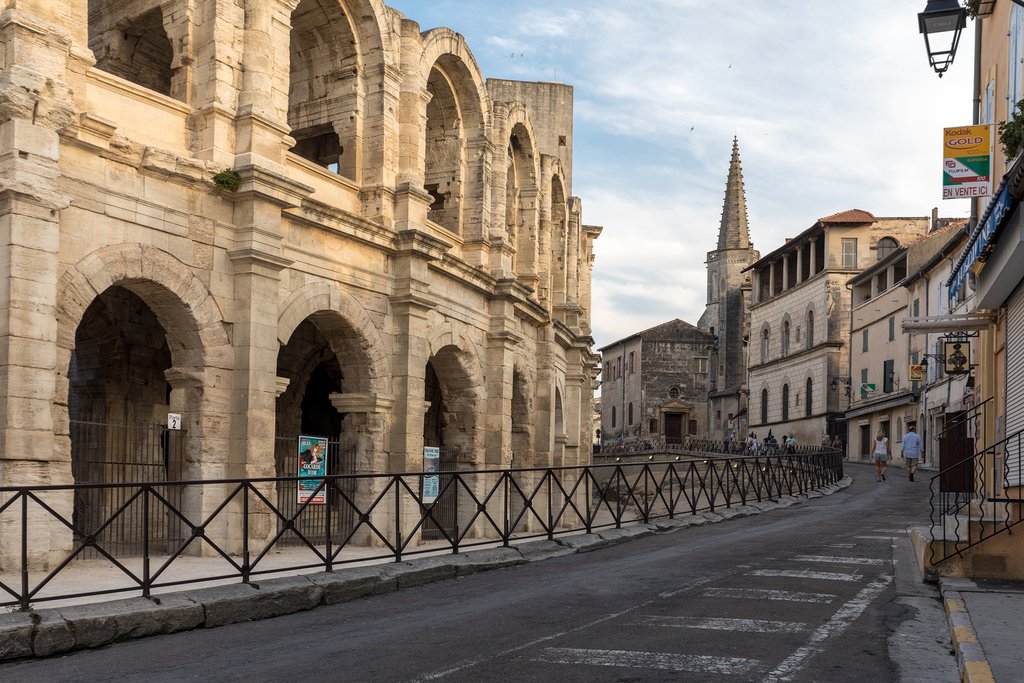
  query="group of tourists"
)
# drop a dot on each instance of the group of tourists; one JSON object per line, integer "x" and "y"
{"x": 912, "y": 449}
{"x": 771, "y": 445}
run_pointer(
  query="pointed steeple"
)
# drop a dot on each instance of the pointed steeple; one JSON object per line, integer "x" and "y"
{"x": 733, "y": 233}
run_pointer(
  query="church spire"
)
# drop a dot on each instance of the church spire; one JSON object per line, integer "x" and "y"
{"x": 733, "y": 233}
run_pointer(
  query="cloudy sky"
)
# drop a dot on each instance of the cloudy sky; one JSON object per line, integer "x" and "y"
{"x": 834, "y": 105}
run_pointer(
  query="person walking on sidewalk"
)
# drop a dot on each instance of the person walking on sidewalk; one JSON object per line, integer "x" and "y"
{"x": 912, "y": 449}
{"x": 880, "y": 455}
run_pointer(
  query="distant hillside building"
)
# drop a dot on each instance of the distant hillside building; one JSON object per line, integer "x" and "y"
{"x": 726, "y": 316}
{"x": 655, "y": 384}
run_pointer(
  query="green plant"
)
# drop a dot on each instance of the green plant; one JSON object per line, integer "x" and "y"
{"x": 227, "y": 180}
{"x": 972, "y": 8}
{"x": 1011, "y": 132}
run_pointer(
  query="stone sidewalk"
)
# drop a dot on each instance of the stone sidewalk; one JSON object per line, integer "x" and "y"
{"x": 985, "y": 627}
{"x": 54, "y": 630}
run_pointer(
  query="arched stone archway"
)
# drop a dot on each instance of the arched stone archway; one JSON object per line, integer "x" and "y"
{"x": 138, "y": 337}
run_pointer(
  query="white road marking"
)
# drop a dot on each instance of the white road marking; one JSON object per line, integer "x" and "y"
{"x": 835, "y": 559}
{"x": 712, "y": 624}
{"x": 877, "y": 538}
{"x": 663, "y": 661}
{"x": 762, "y": 594}
{"x": 689, "y": 585}
{"x": 842, "y": 545}
{"x": 806, "y": 574}
{"x": 843, "y": 617}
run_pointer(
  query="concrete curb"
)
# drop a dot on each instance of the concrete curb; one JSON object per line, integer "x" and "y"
{"x": 974, "y": 666}
{"x": 46, "y": 632}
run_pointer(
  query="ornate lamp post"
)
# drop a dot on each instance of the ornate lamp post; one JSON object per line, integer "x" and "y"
{"x": 941, "y": 22}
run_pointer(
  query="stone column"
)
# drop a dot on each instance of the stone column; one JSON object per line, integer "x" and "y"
{"x": 799, "y": 265}
{"x": 364, "y": 435}
{"x": 476, "y": 204}
{"x": 257, "y": 262}
{"x": 813, "y": 256}
{"x": 785, "y": 272}
{"x": 36, "y": 105}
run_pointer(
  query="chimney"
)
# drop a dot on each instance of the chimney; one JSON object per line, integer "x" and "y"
{"x": 935, "y": 218}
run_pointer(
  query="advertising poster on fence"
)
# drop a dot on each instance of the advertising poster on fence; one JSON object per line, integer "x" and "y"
{"x": 312, "y": 463}
{"x": 431, "y": 482}
{"x": 967, "y": 162}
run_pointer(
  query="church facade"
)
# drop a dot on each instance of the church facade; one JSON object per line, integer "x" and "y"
{"x": 278, "y": 218}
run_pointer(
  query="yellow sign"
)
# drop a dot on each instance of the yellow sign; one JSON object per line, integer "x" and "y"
{"x": 966, "y": 162}
{"x": 916, "y": 373}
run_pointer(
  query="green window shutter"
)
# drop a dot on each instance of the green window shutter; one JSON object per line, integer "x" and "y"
{"x": 917, "y": 307}
{"x": 887, "y": 370}
{"x": 864, "y": 340}
{"x": 864, "y": 376}
{"x": 892, "y": 327}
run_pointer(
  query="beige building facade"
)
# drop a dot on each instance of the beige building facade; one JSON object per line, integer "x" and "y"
{"x": 800, "y": 323}
{"x": 275, "y": 218}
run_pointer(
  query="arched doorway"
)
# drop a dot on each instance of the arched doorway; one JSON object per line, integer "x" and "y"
{"x": 311, "y": 373}
{"x": 118, "y": 403}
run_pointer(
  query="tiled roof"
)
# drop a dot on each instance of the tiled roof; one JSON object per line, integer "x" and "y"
{"x": 850, "y": 216}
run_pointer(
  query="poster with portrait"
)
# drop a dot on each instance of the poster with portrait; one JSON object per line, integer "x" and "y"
{"x": 312, "y": 463}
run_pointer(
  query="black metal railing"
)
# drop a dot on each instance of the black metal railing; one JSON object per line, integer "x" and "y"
{"x": 242, "y": 525}
{"x": 976, "y": 498}
{"x": 693, "y": 444}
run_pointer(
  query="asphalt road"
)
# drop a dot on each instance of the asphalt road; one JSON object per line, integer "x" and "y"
{"x": 824, "y": 591}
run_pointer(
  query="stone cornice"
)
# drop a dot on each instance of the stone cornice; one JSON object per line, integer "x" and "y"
{"x": 344, "y": 223}
{"x": 420, "y": 244}
{"x": 249, "y": 256}
{"x": 362, "y": 403}
{"x": 799, "y": 354}
{"x": 262, "y": 183}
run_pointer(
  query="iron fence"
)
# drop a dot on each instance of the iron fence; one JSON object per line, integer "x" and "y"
{"x": 976, "y": 497}
{"x": 240, "y": 525}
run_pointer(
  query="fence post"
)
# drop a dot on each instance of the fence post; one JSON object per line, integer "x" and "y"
{"x": 398, "y": 519}
{"x": 328, "y": 560}
{"x": 24, "y": 552}
{"x": 246, "y": 568}
{"x": 145, "y": 541}
{"x": 551, "y": 517}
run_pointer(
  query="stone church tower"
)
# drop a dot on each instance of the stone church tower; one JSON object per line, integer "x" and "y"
{"x": 726, "y": 315}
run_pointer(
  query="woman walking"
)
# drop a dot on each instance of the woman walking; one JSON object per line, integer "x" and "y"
{"x": 881, "y": 455}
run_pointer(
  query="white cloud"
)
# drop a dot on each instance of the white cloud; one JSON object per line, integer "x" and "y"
{"x": 834, "y": 105}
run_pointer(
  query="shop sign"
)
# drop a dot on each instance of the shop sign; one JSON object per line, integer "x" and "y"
{"x": 967, "y": 162}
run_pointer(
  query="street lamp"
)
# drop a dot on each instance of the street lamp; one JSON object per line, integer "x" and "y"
{"x": 942, "y": 17}
{"x": 836, "y": 381}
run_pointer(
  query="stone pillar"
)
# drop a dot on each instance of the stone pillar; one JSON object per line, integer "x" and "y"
{"x": 527, "y": 249}
{"x": 476, "y": 213}
{"x": 813, "y": 256}
{"x": 36, "y": 105}
{"x": 364, "y": 435}
{"x": 799, "y": 265}
{"x": 257, "y": 262}
{"x": 785, "y": 272}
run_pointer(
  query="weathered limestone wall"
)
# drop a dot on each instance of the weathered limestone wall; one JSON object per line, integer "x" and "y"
{"x": 107, "y": 177}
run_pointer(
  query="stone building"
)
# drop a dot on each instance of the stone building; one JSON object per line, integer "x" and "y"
{"x": 280, "y": 217}
{"x": 726, "y": 315}
{"x": 654, "y": 384}
{"x": 800, "y": 321}
{"x": 882, "y": 396}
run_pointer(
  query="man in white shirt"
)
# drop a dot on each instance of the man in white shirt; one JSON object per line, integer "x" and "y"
{"x": 912, "y": 449}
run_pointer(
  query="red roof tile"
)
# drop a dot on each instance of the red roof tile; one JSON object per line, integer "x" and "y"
{"x": 850, "y": 216}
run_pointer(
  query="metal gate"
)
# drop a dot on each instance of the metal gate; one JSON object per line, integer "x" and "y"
{"x": 104, "y": 453}
{"x": 444, "y": 511}
{"x": 312, "y": 523}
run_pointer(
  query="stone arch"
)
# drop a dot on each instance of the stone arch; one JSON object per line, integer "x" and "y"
{"x": 523, "y": 426}
{"x": 786, "y": 398}
{"x": 181, "y": 302}
{"x": 342, "y": 319}
{"x": 766, "y": 342}
{"x": 455, "y": 152}
{"x": 140, "y": 284}
{"x": 456, "y": 361}
{"x": 555, "y": 244}
{"x": 521, "y": 192}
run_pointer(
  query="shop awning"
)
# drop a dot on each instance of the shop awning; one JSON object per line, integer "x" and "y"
{"x": 882, "y": 404}
{"x": 953, "y": 322}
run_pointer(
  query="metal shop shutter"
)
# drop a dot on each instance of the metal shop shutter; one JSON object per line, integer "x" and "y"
{"x": 1014, "y": 377}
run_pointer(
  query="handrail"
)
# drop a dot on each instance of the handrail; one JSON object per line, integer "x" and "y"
{"x": 365, "y": 517}
{"x": 971, "y": 501}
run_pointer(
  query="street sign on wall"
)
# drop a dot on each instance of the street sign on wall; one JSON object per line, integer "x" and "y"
{"x": 966, "y": 162}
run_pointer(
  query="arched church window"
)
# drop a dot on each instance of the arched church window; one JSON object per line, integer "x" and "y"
{"x": 785, "y": 402}
{"x": 785, "y": 337}
{"x": 764, "y": 406}
{"x": 810, "y": 329}
{"x": 765, "y": 344}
